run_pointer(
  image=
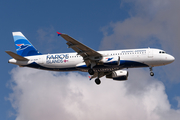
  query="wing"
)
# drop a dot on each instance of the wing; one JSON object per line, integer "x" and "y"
{"x": 99, "y": 74}
{"x": 87, "y": 53}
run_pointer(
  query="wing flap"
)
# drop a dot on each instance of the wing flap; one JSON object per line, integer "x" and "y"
{"x": 98, "y": 74}
{"x": 16, "y": 56}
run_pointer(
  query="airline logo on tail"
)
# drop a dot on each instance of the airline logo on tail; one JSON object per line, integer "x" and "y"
{"x": 22, "y": 46}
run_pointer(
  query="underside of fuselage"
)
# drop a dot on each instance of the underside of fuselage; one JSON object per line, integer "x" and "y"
{"x": 101, "y": 68}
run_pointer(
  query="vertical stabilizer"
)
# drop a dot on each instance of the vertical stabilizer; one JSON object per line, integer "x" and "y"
{"x": 23, "y": 46}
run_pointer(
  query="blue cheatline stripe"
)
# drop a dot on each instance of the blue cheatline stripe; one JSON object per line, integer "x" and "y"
{"x": 35, "y": 65}
{"x": 124, "y": 64}
{"x": 130, "y": 64}
{"x": 82, "y": 66}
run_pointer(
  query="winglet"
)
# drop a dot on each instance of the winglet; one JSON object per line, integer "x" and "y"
{"x": 58, "y": 33}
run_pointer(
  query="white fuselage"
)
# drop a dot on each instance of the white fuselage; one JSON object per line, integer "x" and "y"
{"x": 129, "y": 58}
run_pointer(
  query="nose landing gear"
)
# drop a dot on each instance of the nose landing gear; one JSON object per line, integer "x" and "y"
{"x": 151, "y": 71}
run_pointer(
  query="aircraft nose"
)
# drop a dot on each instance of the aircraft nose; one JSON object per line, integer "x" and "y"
{"x": 171, "y": 58}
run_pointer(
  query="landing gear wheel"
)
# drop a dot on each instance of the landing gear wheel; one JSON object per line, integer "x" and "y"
{"x": 91, "y": 71}
{"x": 97, "y": 81}
{"x": 151, "y": 73}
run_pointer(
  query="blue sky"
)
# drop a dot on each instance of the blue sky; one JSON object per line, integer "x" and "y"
{"x": 99, "y": 25}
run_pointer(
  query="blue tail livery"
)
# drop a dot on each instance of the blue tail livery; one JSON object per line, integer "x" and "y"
{"x": 23, "y": 46}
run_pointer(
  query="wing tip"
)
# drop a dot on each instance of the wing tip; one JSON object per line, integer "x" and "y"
{"x": 59, "y": 33}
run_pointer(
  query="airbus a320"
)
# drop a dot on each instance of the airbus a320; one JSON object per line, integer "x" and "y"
{"x": 111, "y": 63}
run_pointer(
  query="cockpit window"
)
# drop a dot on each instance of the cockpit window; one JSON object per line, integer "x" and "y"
{"x": 162, "y": 52}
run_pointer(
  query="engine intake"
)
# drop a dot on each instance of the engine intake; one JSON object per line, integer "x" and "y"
{"x": 118, "y": 75}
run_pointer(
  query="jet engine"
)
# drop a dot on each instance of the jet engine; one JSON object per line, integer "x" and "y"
{"x": 118, "y": 75}
{"x": 112, "y": 60}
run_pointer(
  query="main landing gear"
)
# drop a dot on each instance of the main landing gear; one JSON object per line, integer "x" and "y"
{"x": 91, "y": 71}
{"x": 97, "y": 81}
{"x": 151, "y": 71}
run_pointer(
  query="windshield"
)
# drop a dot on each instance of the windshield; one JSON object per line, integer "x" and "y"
{"x": 162, "y": 52}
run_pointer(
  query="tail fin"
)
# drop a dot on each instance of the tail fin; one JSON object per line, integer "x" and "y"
{"x": 23, "y": 46}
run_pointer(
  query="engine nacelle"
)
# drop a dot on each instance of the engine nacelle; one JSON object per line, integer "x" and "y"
{"x": 118, "y": 75}
{"x": 112, "y": 60}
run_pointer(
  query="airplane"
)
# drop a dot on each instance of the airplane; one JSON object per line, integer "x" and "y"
{"x": 110, "y": 63}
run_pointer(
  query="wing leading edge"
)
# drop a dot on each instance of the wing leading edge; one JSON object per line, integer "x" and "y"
{"x": 89, "y": 55}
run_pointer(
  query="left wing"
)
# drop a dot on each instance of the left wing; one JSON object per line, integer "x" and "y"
{"x": 16, "y": 56}
{"x": 89, "y": 55}
{"x": 97, "y": 74}
{"x": 100, "y": 74}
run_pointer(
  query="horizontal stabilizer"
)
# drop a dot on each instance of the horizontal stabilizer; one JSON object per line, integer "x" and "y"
{"x": 16, "y": 56}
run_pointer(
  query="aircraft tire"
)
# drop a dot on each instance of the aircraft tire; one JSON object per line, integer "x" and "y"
{"x": 97, "y": 81}
{"x": 151, "y": 73}
{"x": 91, "y": 71}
